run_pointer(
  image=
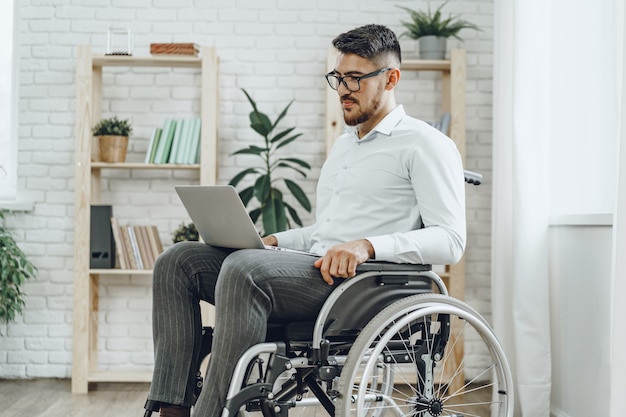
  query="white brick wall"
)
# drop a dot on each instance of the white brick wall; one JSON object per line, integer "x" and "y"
{"x": 276, "y": 49}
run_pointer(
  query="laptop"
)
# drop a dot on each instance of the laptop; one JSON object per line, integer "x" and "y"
{"x": 221, "y": 218}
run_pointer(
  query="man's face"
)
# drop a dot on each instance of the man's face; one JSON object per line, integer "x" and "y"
{"x": 359, "y": 106}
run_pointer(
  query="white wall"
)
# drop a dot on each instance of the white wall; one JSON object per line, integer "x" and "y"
{"x": 276, "y": 49}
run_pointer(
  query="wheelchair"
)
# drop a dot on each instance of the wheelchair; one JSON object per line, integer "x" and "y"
{"x": 382, "y": 345}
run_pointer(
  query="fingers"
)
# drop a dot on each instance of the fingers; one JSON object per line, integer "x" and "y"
{"x": 338, "y": 264}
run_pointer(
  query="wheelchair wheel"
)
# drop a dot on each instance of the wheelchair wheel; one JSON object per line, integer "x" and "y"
{"x": 403, "y": 364}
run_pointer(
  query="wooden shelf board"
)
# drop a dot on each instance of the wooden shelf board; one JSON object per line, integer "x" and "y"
{"x": 120, "y": 376}
{"x": 141, "y": 165}
{"x": 120, "y": 271}
{"x": 146, "y": 61}
{"x": 425, "y": 65}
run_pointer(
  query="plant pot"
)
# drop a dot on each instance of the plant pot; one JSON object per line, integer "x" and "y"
{"x": 432, "y": 47}
{"x": 113, "y": 148}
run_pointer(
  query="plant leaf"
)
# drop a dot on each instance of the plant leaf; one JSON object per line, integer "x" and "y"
{"x": 297, "y": 161}
{"x": 288, "y": 141}
{"x": 294, "y": 214}
{"x": 262, "y": 188}
{"x": 250, "y": 100}
{"x": 246, "y": 195}
{"x": 284, "y": 165}
{"x": 282, "y": 134}
{"x": 250, "y": 150}
{"x": 298, "y": 194}
{"x": 282, "y": 114}
{"x": 274, "y": 219}
{"x": 255, "y": 214}
{"x": 241, "y": 175}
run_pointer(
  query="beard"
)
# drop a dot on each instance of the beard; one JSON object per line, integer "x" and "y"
{"x": 354, "y": 117}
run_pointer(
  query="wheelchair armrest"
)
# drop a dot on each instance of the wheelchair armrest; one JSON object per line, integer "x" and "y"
{"x": 373, "y": 266}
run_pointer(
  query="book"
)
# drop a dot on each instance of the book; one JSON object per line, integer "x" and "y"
{"x": 193, "y": 152}
{"x": 134, "y": 247}
{"x": 145, "y": 240}
{"x": 181, "y": 158}
{"x": 174, "y": 49}
{"x": 177, "y": 142}
{"x": 142, "y": 247}
{"x": 130, "y": 256}
{"x": 155, "y": 241}
{"x": 119, "y": 245}
{"x": 153, "y": 145}
{"x": 165, "y": 142}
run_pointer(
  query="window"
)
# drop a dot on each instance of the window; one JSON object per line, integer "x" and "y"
{"x": 8, "y": 102}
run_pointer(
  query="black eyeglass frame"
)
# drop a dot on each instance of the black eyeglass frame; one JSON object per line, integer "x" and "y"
{"x": 341, "y": 79}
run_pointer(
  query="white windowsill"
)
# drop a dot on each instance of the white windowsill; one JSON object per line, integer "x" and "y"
{"x": 588, "y": 219}
{"x": 17, "y": 205}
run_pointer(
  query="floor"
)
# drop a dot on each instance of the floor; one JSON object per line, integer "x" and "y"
{"x": 53, "y": 398}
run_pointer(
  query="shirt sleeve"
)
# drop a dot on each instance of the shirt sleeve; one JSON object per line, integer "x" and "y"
{"x": 438, "y": 182}
{"x": 298, "y": 239}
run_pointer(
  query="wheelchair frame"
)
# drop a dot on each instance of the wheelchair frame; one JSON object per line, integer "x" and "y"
{"x": 322, "y": 360}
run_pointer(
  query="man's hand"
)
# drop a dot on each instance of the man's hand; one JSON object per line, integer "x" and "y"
{"x": 341, "y": 260}
{"x": 270, "y": 240}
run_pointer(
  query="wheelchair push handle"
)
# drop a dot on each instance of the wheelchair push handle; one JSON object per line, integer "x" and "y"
{"x": 472, "y": 177}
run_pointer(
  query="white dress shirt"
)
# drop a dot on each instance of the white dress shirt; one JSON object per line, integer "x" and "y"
{"x": 401, "y": 187}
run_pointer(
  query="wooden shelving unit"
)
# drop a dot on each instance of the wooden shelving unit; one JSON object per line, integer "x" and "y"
{"x": 453, "y": 76}
{"x": 87, "y": 192}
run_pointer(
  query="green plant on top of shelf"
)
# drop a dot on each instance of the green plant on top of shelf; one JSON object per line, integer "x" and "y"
{"x": 425, "y": 23}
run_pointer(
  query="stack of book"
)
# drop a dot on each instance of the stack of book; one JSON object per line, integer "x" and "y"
{"x": 177, "y": 142}
{"x": 174, "y": 49}
{"x": 137, "y": 247}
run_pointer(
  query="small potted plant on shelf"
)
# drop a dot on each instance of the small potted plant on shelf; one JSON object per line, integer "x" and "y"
{"x": 432, "y": 31}
{"x": 112, "y": 138}
{"x": 273, "y": 210}
{"x": 186, "y": 232}
{"x": 15, "y": 269}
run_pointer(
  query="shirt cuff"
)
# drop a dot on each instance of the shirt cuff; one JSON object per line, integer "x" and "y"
{"x": 383, "y": 247}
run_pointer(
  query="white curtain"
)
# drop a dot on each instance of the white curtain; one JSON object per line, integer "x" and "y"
{"x": 558, "y": 80}
{"x": 520, "y": 286}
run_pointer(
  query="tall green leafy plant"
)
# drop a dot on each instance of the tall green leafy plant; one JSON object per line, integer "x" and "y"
{"x": 275, "y": 213}
{"x": 15, "y": 269}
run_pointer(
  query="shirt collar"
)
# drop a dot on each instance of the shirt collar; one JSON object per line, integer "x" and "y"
{"x": 385, "y": 126}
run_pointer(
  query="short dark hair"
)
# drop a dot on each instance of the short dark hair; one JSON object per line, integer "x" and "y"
{"x": 375, "y": 43}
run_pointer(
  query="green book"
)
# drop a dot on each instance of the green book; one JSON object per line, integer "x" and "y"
{"x": 176, "y": 142}
{"x": 165, "y": 143}
{"x": 194, "y": 148}
{"x": 154, "y": 143}
{"x": 185, "y": 139}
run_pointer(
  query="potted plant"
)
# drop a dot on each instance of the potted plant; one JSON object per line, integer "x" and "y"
{"x": 186, "y": 232}
{"x": 112, "y": 137}
{"x": 15, "y": 269}
{"x": 274, "y": 211}
{"x": 432, "y": 30}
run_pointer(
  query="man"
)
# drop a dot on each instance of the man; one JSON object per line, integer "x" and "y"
{"x": 392, "y": 189}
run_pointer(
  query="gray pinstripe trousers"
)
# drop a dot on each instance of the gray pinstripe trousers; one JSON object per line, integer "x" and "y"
{"x": 248, "y": 288}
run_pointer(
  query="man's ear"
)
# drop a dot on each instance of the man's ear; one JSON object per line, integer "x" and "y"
{"x": 393, "y": 78}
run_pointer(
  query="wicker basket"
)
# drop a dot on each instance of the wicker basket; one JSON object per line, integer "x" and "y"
{"x": 113, "y": 148}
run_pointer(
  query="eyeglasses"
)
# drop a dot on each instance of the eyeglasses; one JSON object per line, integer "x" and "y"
{"x": 351, "y": 83}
